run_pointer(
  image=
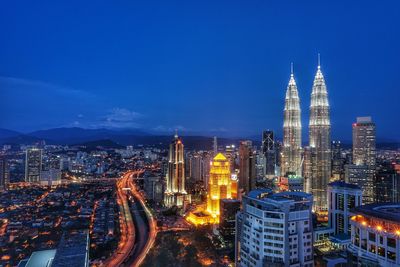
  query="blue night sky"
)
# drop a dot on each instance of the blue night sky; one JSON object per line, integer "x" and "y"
{"x": 199, "y": 66}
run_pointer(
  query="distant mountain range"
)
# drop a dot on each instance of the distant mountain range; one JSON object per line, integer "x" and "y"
{"x": 106, "y": 138}
{"x": 115, "y": 138}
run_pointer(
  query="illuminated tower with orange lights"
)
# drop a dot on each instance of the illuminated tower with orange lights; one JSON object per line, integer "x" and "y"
{"x": 219, "y": 185}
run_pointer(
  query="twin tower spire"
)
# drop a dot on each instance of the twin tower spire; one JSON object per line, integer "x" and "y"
{"x": 319, "y": 137}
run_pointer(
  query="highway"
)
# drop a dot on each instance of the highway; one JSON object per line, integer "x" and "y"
{"x": 137, "y": 225}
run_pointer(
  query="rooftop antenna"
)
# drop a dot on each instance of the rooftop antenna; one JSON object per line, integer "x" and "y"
{"x": 319, "y": 61}
{"x": 291, "y": 68}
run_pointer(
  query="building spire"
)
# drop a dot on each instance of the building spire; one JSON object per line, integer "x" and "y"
{"x": 176, "y": 133}
{"x": 319, "y": 61}
{"x": 291, "y": 69}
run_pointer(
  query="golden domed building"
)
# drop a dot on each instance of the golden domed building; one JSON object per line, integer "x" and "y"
{"x": 220, "y": 186}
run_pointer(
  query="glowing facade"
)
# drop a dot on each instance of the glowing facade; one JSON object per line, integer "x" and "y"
{"x": 175, "y": 192}
{"x": 320, "y": 142}
{"x": 291, "y": 157}
{"x": 220, "y": 186}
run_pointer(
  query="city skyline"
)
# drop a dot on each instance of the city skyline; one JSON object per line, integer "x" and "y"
{"x": 77, "y": 77}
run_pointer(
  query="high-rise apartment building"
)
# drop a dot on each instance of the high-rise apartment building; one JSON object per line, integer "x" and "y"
{"x": 33, "y": 165}
{"x": 275, "y": 229}
{"x": 4, "y": 173}
{"x": 342, "y": 198}
{"x": 291, "y": 155}
{"x": 320, "y": 142}
{"x": 175, "y": 192}
{"x": 338, "y": 161}
{"x": 247, "y": 167}
{"x": 387, "y": 183}
{"x": 364, "y": 154}
{"x": 268, "y": 150}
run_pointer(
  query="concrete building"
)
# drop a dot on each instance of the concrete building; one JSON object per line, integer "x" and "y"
{"x": 342, "y": 198}
{"x": 364, "y": 154}
{"x": 247, "y": 167}
{"x": 228, "y": 209}
{"x": 275, "y": 229}
{"x": 375, "y": 235}
{"x": 4, "y": 173}
{"x": 268, "y": 150}
{"x": 33, "y": 165}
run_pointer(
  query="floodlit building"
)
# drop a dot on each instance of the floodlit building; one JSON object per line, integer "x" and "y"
{"x": 275, "y": 229}
{"x": 375, "y": 235}
{"x": 175, "y": 193}
{"x": 291, "y": 154}
{"x": 320, "y": 142}
{"x": 219, "y": 187}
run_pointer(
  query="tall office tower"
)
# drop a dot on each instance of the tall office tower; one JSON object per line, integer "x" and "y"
{"x": 4, "y": 173}
{"x": 196, "y": 166}
{"x": 364, "y": 153}
{"x": 215, "y": 145}
{"x": 175, "y": 191}
{"x": 387, "y": 182}
{"x": 268, "y": 149}
{"x": 338, "y": 161}
{"x": 33, "y": 165}
{"x": 275, "y": 229}
{"x": 247, "y": 167}
{"x": 291, "y": 156}
{"x": 230, "y": 153}
{"x": 219, "y": 185}
{"x": 320, "y": 142}
{"x": 342, "y": 198}
{"x": 228, "y": 210}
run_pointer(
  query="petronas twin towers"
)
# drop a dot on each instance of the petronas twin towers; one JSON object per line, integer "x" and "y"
{"x": 314, "y": 162}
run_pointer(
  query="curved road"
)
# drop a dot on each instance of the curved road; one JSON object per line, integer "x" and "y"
{"x": 137, "y": 225}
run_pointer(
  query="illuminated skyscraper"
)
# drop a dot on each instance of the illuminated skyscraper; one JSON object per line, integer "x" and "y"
{"x": 33, "y": 165}
{"x": 320, "y": 142}
{"x": 291, "y": 156}
{"x": 247, "y": 167}
{"x": 219, "y": 185}
{"x": 364, "y": 153}
{"x": 268, "y": 149}
{"x": 175, "y": 191}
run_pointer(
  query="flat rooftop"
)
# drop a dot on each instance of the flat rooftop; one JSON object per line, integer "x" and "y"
{"x": 385, "y": 211}
{"x": 73, "y": 250}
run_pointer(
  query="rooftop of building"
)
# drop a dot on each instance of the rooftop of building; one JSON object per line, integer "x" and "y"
{"x": 385, "y": 211}
{"x": 282, "y": 196}
{"x": 73, "y": 250}
{"x": 40, "y": 258}
{"x": 344, "y": 185}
